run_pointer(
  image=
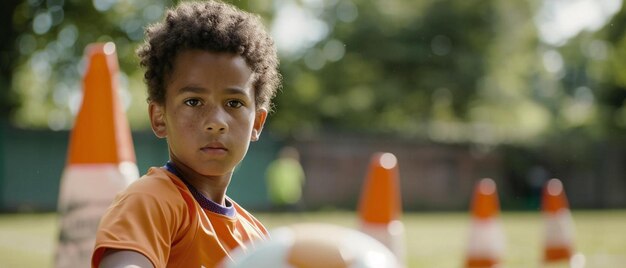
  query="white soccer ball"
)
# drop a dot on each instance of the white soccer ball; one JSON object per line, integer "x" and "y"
{"x": 314, "y": 245}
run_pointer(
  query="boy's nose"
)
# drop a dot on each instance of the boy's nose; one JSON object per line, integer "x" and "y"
{"x": 216, "y": 129}
{"x": 215, "y": 122}
{"x": 217, "y": 126}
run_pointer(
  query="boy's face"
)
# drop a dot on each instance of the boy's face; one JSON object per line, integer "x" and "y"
{"x": 209, "y": 116}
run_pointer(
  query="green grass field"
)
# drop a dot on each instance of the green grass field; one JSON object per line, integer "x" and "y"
{"x": 432, "y": 239}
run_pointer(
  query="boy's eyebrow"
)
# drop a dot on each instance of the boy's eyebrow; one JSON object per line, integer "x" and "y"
{"x": 236, "y": 91}
{"x": 199, "y": 89}
{"x": 192, "y": 89}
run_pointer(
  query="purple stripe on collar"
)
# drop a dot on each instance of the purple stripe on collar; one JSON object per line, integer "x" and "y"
{"x": 228, "y": 210}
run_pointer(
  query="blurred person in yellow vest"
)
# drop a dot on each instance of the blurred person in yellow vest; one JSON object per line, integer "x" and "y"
{"x": 285, "y": 178}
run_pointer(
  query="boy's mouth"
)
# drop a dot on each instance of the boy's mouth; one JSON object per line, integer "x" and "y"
{"x": 214, "y": 148}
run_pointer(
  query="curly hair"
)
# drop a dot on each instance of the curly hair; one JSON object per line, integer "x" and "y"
{"x": 211, "y": 26}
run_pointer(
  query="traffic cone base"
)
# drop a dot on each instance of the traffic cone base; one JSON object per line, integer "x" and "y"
{"x": 559, "y": 225}
{"x": 86, "y": 192}
{"x": 100, "y": 159}
{"x": 559, "y": 229}
{"x": 481, "y": 263}
{"x": 486, "y": 242}
{"x": 95, "y": 181}
{"x": 486, "y": 239}
{"x": 380, "y": 204}
{"x": 558, "y": 254}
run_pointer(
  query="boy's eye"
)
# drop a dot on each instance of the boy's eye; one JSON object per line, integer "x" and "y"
{"x": 234, "y": 103}
{"x": 192, "y": 102}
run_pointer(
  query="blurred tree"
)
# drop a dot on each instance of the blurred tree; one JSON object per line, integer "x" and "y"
{"x": 512, "y": 105}
{"x": 46, "y": 47}
{"x": 607, "y": 52}
{"x": 589, "y": 94}
{"x": 54, "y": 33}
{"x": 445, "y": 70}
{"x": 450, "y": 71}
{"x": 399, "y": 64}
{"x": 8, "y": 102}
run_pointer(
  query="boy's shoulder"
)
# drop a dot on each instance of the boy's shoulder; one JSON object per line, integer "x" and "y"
{"x": 157, "y": 189}
{"x": 156, "y": 181}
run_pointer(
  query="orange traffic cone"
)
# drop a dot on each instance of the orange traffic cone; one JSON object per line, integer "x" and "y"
{"x": 486, "y": 240}
{"x": 380, "y": 204}
{"x": 100, "y": 162}
{"x": 559, "y": 227}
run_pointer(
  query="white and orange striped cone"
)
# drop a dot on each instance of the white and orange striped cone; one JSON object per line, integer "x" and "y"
{"x": 486, "y": 239}
{"x": 100, "y": 161}
{"x": 380, "y": 205}
{"x": 559, "y": 225}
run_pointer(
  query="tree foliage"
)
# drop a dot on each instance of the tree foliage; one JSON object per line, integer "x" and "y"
{"x": 444, "y": 70}
{"x": 451, "y": 71}
{"x": 607, "y": 51}
{"x": 54, "y": 33}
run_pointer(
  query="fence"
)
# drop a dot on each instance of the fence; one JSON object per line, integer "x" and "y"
{"x": 32, "y": 162}
{"x": 433, "y": 176}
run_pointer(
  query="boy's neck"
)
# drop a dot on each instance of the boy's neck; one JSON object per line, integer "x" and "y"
{"x": 212, "y": 187}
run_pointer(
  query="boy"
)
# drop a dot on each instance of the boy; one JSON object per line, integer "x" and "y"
{"x": 211, "y": 72}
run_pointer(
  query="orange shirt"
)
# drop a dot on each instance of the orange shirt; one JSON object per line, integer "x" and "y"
{"x": 159, "y": 217}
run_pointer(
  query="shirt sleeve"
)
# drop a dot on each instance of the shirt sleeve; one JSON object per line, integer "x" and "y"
{"x": 142, "y": 219}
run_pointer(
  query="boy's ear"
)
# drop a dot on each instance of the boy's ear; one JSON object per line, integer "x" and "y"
{"x": 157, "y": 119}
{"x": 259, "y": 121}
